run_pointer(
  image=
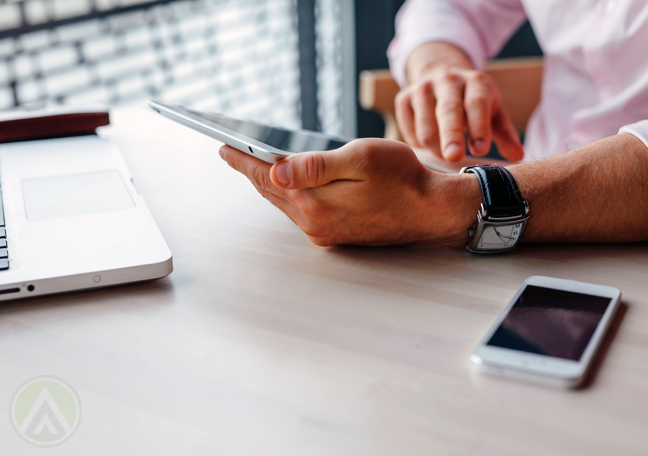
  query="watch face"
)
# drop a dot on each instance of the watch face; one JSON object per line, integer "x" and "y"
{"x": 499, "y": 237}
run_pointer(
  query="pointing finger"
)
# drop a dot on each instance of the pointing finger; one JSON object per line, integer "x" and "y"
{"x": 478, "y": 104}
{"x": 450, "y": 116}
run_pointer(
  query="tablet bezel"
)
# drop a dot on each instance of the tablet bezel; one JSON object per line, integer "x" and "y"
{"x": 230, "y": 137}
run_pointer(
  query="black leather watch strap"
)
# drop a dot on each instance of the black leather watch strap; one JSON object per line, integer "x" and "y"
{"x": 501, "y": 194}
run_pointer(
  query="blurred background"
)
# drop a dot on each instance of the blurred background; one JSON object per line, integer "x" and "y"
{"x": 293, "y": 63}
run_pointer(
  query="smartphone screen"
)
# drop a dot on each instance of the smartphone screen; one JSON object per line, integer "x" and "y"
{"x": 279, "y": 138}
{"x": 551, "y": 322}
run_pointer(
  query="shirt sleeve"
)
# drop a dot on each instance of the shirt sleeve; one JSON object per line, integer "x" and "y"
{"x": 639, "y": 129}
{"x": 479, "y": 27}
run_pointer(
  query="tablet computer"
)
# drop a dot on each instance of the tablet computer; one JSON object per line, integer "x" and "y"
{"x": 264, "y": 142}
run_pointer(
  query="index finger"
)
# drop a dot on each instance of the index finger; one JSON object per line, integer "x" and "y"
{"x": 449, "y": 92}
{"x": 478, "y": 105}
{"x": 257, "y": 171}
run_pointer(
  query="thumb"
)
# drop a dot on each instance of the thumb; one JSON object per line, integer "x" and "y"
{"x": 313, "y": 169}
{"x": 506, "y": 136}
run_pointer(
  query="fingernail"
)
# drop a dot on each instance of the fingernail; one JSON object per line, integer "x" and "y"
{"x": 283, "y": 173}
{"x": 452, "y": 151}
{"x": 479, "y": 144}
{"x": 222, "y": 155}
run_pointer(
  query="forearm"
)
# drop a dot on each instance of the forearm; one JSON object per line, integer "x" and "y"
{"x": 376, "y": 192}
{"x": 598, "y": 193}
{"x": 435, "y": 56}
{"x": 478, "y": 27}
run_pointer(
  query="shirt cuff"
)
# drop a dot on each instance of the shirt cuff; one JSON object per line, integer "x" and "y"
{"x": 415, "y": 28}
{"x": 639, "y": 129}
{"x": 400, "y": 49}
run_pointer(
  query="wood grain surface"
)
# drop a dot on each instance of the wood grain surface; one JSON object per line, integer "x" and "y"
{"x": 260, "y": 343}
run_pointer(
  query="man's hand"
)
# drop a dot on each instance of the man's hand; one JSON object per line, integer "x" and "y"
{"x": 368, "y": 192}
{"x": 376, "y": 192}
{"x": 447, "y": 98}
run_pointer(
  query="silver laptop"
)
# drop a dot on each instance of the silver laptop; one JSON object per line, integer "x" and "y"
{"x": 71, "y": 218}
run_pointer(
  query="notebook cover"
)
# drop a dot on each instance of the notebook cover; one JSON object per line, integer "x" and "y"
{"x": 52, "y": 126}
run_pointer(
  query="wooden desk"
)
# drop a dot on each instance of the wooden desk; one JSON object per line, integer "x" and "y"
{"x": 261, "y": 343}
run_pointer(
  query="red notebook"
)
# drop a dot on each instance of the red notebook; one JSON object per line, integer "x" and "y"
{"x": 50, "y": 123}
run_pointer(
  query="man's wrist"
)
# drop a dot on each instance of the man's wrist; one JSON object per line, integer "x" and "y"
{"x": 456, "y": 199}
{"x": 433, "y": 57}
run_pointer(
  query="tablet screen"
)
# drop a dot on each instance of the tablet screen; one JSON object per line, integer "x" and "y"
{"x": 279, "y": 138}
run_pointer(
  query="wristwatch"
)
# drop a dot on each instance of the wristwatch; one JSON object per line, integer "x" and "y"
{"x": 503, "y": 214}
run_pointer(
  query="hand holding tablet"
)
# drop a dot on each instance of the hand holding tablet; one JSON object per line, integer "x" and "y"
{"x": 367, "y": 191}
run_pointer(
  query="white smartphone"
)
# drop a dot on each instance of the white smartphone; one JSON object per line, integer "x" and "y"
{"x": 549, "y": 332}
{"x": 264, "y": 142}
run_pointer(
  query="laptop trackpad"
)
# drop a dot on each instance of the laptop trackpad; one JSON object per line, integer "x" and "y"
{"x": 76, "y": 194}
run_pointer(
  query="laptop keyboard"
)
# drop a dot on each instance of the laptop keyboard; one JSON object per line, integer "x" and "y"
{"x": 4, "y": 253}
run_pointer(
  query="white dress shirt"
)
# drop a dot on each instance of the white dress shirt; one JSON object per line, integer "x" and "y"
{"x": 595, "y": 78}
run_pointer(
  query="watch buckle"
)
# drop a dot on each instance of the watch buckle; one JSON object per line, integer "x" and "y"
{"x": 483, "y": 212}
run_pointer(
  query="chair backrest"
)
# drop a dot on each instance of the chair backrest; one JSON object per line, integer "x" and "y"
{"x": 519, "y": 81}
